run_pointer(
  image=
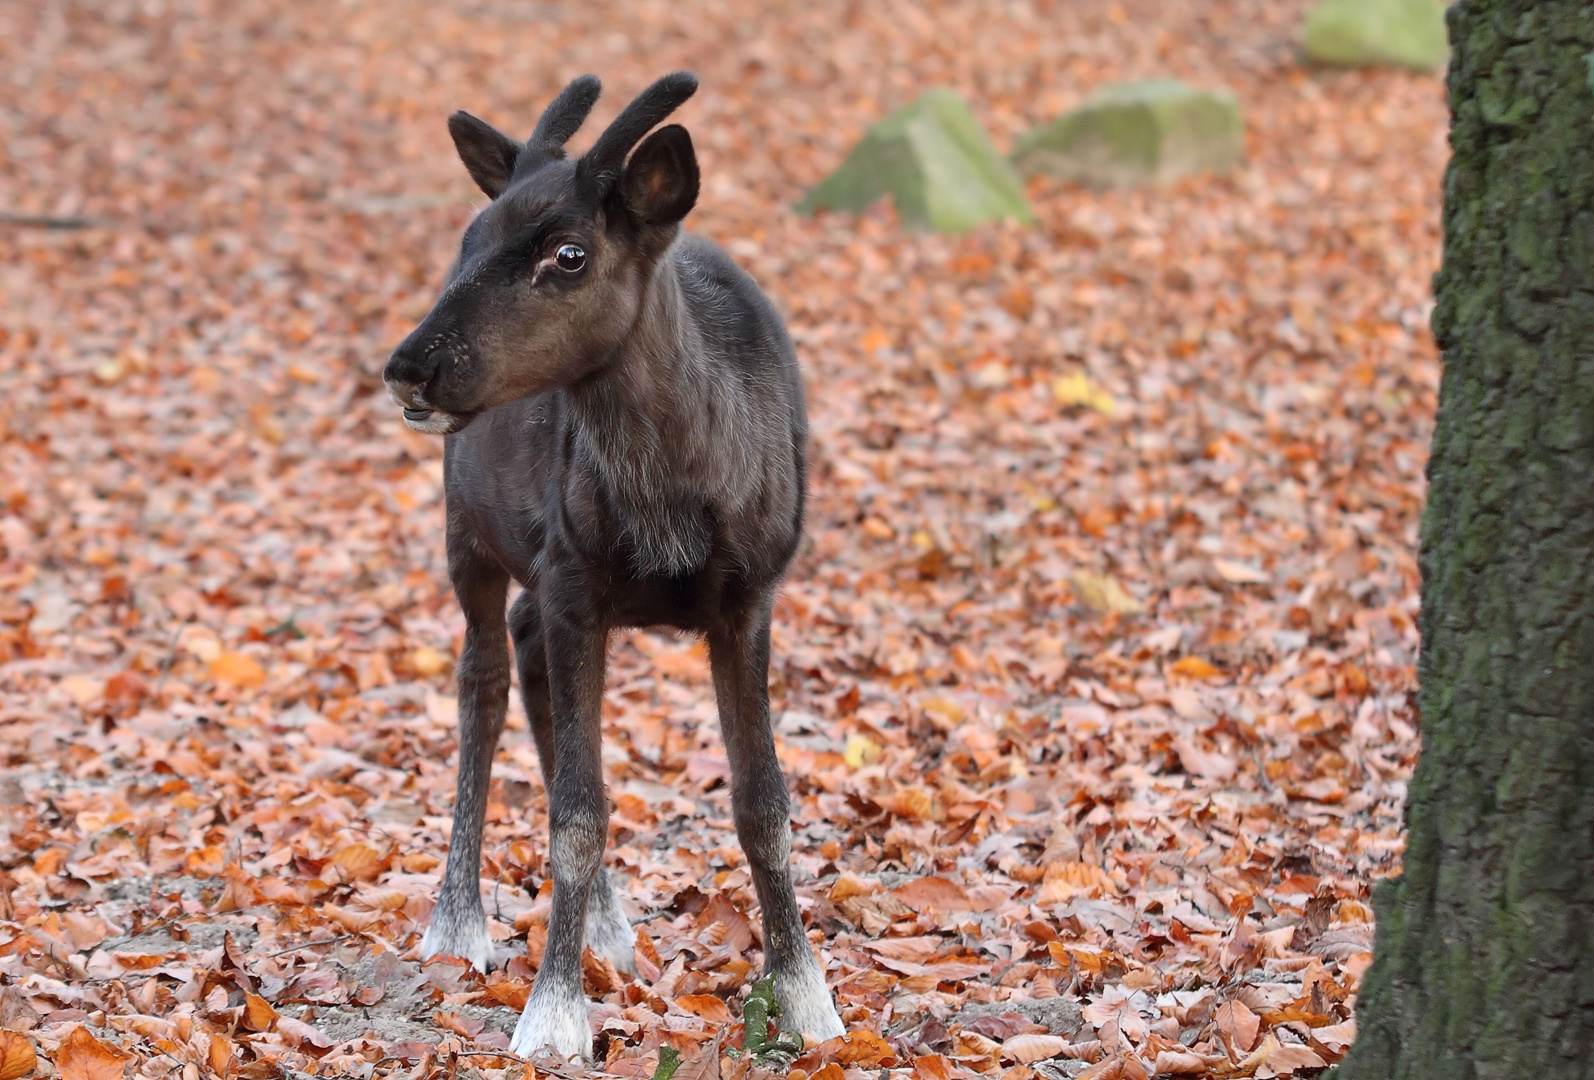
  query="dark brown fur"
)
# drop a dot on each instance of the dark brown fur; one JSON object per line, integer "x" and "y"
{"x": 626, "y": 440}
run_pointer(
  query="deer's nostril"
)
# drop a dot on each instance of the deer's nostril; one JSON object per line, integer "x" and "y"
{"x": 405, "y": 394}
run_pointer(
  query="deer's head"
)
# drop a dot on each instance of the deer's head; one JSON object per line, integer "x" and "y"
{"x": 551, "y": 274}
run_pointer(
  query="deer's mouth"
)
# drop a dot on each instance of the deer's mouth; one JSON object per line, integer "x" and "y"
{"x": 433, "y": 421}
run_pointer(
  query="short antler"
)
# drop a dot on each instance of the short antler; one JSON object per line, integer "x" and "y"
{"x": 563, "y": 116}
{"x": 601, "y": 166}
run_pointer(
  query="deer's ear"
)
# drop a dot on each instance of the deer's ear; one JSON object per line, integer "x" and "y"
{"x": 489, "y": 155}
{"x": 661, "y": 179}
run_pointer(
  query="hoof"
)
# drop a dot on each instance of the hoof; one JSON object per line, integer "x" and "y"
{"x": 805, "y": 1004}
{"x": 468, "y": 941}
{"x": 553, "y": 1023}
{"x": 609, "y": 933}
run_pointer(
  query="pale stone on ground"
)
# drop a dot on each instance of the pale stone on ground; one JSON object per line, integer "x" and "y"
{"x": 1388, "y": 33}
{"x": 1138, "y": 133}
{"x": 935, "y": 161}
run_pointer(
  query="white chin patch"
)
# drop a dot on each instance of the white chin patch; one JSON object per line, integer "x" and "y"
{"x": 433, "y": 423}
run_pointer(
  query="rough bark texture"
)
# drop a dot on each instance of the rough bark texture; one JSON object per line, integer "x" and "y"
{"x": 1485, "y": 955}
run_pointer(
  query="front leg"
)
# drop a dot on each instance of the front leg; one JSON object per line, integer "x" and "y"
{"x": 578, "y": 822}
{"x": 739, "y": 654}
{"x": 459, "y": 926}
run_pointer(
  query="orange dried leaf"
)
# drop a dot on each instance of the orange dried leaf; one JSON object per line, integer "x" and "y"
{"x": 220, "y": 1053}
{"x": 875, "y": 339}
{"x": 861, "y": 1048}
{"x": 238, "y": 670}
{"x": 1193, "y": 667}
{"x": 357, "y": 862}
{"x": 83, "y": 1057}
{"x": 17, "y": 1057}
{"x": 427, "y": 661}
{"x": 258, "y": 1013}
{"x": 709, "y": 1007}
{"x": 932, "y": 892}
{"x": 512, "y": 994}
{"x": 138, "y": 961}
{"x": 848, "y": 885}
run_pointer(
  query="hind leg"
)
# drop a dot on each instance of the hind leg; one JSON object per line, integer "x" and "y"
{"x": 739, "y": 654}
{"x": 608, "y": 930}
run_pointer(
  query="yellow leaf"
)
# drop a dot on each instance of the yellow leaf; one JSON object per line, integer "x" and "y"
{"x": 237, "y": 669}
{"x": 427, "y": 661}
{"x": 1077, "y": 389}
{"x": 1193, "y": 667}
{"x": 1102, "y": 593}
{"x": 861, "y": 750}
{"x": 17, "y": 1058}
{"x": 943, "y": 714}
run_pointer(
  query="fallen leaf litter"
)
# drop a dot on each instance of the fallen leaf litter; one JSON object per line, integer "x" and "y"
{"x": 1094, "y": 683}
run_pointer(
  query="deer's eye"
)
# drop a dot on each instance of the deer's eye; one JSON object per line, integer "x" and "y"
{"x": 570, "y": 258}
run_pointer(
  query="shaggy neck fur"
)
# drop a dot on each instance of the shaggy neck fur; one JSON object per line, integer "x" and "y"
{"x": 672, "y": 439}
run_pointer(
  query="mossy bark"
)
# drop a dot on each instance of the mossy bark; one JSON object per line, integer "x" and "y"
{"x": 1484, "y": 963}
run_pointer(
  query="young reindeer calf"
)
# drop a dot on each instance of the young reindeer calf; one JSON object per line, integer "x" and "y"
{"x": 625, "y": 438}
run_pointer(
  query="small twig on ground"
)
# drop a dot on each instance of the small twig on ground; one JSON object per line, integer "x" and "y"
{"x": 168, "y": 660}
{"x": 48, "y": 221}
{"x": 1261, "y": 770}
{"x": 311, "y": 945}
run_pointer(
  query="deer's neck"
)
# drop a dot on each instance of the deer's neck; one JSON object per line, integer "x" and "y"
{"x": 666, "y": 428}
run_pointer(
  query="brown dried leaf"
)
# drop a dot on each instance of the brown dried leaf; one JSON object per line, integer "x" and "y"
{"x": 932, "y": 892}
{"x": 1029, "y": 1048}
{"x": 1239, "y": 1024}
{"x": 1288, "y": 1060}
{"x": 705, "y": 1063}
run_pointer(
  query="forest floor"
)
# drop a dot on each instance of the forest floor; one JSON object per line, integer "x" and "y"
{"x": 1095, "y": 681}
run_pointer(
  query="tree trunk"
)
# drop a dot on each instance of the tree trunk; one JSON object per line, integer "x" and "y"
{"x": 1484, "y": 964}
